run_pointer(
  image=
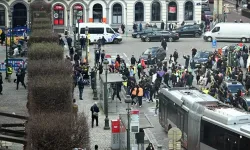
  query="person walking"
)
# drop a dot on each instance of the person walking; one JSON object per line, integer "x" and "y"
{"x": 9, "y": 72}
{"x": 1, "y": 83}
{"x": 116, "y": 90}
{"x": 2, "y": 37}
{"x": 94, "y": 110}
{"x": 133, "y": 60}
{"x": 20, "y": 78}
{"x": 103, "y": 42}
{"x": 69, "y": 41}
{"x": 175, "y": 55}
{"x": 140, "y": 95}
{"x": 164, "y": 44}
{"x": 71, "y": 53}
{"x": 102, "y": 56}
{"x": 123, "y": 28}
{"x": 80, "y": 87}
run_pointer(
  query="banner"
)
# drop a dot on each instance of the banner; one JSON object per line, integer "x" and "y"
{"x": 172, "y": 9}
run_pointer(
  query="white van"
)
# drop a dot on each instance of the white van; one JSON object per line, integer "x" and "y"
{"x": 229, "y": 32}
{"x": 98, "y": 30}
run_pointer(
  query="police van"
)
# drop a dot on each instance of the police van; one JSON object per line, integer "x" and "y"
{"x": 98, "y": 30}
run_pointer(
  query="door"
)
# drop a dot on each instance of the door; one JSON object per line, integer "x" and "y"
{"x": 231, "y": 142}
{"x": 216, "y": 33}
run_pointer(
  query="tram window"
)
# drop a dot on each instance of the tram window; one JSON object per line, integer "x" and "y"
{"x": 186, "y": 122}
{"x": 244, "y": 143}
{"x": 172, "y": 113}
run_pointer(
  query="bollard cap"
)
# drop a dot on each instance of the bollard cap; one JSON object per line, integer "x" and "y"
{"x": 128, "y": 99}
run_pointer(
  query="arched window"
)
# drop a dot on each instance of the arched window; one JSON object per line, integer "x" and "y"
{"x": 189, "y": 11}
{"x": 2, "y": 15}
{"x": 139, "y": 11}
{"x": 77, "y": 13}
{"x": 156, "y": 11}
{"x": 117, "y": 14}
{"x": 172, "y": 11}
{"x": 58, "y": 14}
{"x": 97, "y": 13}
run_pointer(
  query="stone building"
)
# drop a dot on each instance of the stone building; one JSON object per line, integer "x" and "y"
{"x": 114, "y": 12}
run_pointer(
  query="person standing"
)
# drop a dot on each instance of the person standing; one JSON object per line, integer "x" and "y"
{"x": 71, "y": 53}
{"x": 123, "y": 28}
{"x": 94, "y": 110}
{"x": 103, "y": 42}
{"x": 140, "y": 26}
{"x": 9, "y": 72}
{"x": 162, "y": 25}
{"x": 175, "y": 55}
{"x": 116, "y": 90}
{"x": 20, "y": 78}
{"x": 82, "y": 42}
{"x": 102, "y": 56}
{"x": 2, "y": 37}
{"x": 164, "y": 45}
{"x": 69, "y": 41}
{"x": 140, "y": 95}
{"x": 80, "y": 87}
{"x": 133, "y": 60}
{"x": 194, "y": 51}
{"x": 75, "y": 108}
{"x": 245, "y": 57}
{"x": 1, "y": 83}
{"x": 96, "y": 147}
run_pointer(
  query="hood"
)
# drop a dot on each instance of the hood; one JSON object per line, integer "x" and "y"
{"x": 200, "y": 60}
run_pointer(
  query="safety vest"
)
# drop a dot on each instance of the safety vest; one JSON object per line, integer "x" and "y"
{"x": 134, "y": 91}
{"x": 205, "y": 91}
{"x": 9, "y": 70}
{"x": 140, "y": 92}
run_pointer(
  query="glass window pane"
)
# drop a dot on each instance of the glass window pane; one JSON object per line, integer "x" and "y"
{"x": 156, "y": 10}
{"x": 139, "y": 12}
{"x": 2, "y": 18}
{"x": 188, "y": 11}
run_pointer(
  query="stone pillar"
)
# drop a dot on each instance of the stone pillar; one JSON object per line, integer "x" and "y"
{"x": 87, "y": 15}
{"x": 107, "y": 16}
{"x": 68, "y": 22}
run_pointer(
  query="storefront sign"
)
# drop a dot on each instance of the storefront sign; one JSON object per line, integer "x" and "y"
{"x": 172, "y": 9}
{"x": 58, "y": 7}
{"x": 56, "y": 15}
{"x": 134, "y": 123}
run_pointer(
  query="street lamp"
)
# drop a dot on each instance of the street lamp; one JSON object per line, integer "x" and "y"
{"x": 167, "y": 2}
{"x": 128, "y": 100}
{"x": 95, "y": 88}
{"x": 106, "y": 127}
{"x": 87, "y": 43}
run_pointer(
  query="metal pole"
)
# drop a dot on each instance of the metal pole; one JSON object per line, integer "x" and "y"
{"x": 106, "y": 127}
{"x": 87, "y": 43}
{"x": 128, "y": 128}
{"x": 126, "y": 22}
{"x": 6, "y": 63}
{"x": 218, "y": 3}
{"x": 78, "y": 31}
{"x": 167, "y": 15}
{"x": 95, "y": 86}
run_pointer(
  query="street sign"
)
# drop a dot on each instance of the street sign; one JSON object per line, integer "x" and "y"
{"x": 134, "y": 123}
{"x": 214, "y": 43}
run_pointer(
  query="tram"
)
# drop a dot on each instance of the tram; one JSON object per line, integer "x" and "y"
{"x": 205, "y": 122}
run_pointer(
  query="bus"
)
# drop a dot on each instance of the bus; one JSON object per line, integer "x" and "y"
{"x": 205, "y": 122}
{"x": 99, "y": 30}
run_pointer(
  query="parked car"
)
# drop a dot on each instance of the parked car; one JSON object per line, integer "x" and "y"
{"x": 204, "y": 2}
{"x": 157, "y": 53}
{"x": 189, "y": 31}
{"x": 200, "y": 58}
{"x": 158, "y": 36}
{"x": 246, "y": 102}
{"x": 144, "y": 31}
{"x": 211, "y": 1}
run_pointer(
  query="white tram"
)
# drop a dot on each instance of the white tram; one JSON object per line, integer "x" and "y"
{"x": 205, "y": 122}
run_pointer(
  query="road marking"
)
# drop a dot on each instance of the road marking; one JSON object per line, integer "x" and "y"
{"x": 125, "y": 55}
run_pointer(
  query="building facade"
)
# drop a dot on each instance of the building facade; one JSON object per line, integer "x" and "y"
{"x": 66, "y": 13}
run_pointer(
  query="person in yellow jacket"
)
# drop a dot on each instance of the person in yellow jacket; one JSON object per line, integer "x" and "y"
{"x": 9, "y": 72}
{"x": 140, "y": 95}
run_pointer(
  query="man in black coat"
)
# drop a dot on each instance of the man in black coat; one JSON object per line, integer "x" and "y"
{"x": 94, "y": 111}
{"x": 162, "y": 25}
{"x": 69, "y": 41}
{"x": 1, "y": 83}
{"x": 82, "y": 42}
{"x": 133, "y": 60}
{"x": 164, "y": 44}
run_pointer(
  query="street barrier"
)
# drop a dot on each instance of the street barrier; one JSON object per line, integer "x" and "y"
{"x": 14, "y": 63}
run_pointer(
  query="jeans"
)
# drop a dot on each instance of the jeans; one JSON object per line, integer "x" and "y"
{"x": 94, "y": 118}
{"x": 140, "y": 100}
{"x": 80, "y": 92}
{"x": 146, "y": 94}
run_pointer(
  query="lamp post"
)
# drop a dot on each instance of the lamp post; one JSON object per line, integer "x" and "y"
{"x": 6, "y": 50}
{"x": 167, "y": 1}
{"x": 95, "y": 87}
{"x": 106, "y": 127}
{"x": 87, "y": 43}
{"x": 128, "y": 100}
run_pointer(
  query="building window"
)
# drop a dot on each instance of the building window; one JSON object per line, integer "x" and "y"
{"x": 139, "y": 11}
{"x": 117, "y": 14}
{"x": 156, "y": 11}
{"x": 189, "y": 11}
{"x": 172, "y": 11}
{"x": 97, "y": 13}
{"x": 2, "y": 15}
{"x": 77, "y": 13}
{"x": 58, "y": 14}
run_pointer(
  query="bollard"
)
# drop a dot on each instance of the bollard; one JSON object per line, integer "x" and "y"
{"x": 159, "y": 147}
{"x": 156, "y": 107}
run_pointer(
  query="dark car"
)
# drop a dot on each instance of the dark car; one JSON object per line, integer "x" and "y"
{"x": 246, "y": 102}
{"x": 138, "y": 34}
{"x": 158, "y": 36}
{"x": 189, "y": 31}
{"x": 200, "y": 58}
{"x": 232, "y": 86}
{"x": 157, "y": 53}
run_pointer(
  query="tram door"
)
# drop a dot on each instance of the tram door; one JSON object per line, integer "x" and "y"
{"x": 231, "y": 142}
